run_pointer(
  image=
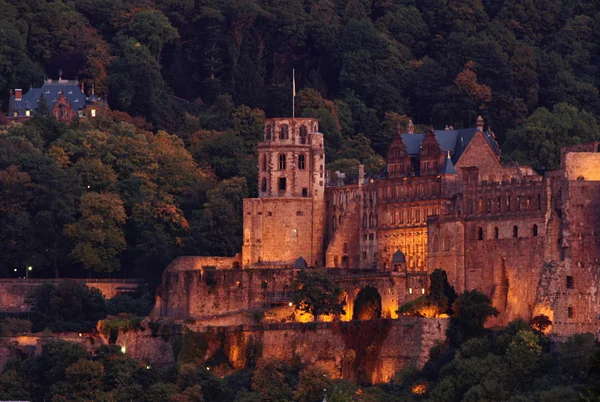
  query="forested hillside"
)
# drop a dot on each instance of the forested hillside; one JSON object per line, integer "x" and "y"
{"x": 191, "y": 82}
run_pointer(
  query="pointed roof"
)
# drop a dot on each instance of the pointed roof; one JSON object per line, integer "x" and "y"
{"x": 398, "y": 257}
{"x": 300, "y": 263}
{"x": 448, "y": 167}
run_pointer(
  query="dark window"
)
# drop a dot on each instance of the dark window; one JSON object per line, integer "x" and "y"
{"x": 269, "y": 133}
{"x": 496, "y": 233}
{"x": 304, "y": 192}
{"x": 264, "y": 163}
{"x": 539, "y": 201}
{"x": 263, "y": 185}
{"x": 535, "y": 230}
{"x": 282, "y": 162}
{"x": 365, "y": 221}
{"x": 480, "y": 234}
{"x": 515, "y": 231}
{"x": 570, "y": 283}
{"x": 345, "y": 247}
{"x": 570, "y": 312}
{"x": 303, "y": 133}
{"x": 301, "y": 162}
{"x": 282, "y": 184}
{"x": 284, "y": 132}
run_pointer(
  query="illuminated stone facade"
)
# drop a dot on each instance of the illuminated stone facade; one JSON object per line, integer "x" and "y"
{"x": 444, "y": 200}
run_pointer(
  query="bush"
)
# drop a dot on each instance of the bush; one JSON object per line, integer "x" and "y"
{"x": 10, "y": 326}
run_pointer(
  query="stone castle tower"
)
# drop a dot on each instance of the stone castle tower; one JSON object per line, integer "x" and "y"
{"x": 287, "y": 219}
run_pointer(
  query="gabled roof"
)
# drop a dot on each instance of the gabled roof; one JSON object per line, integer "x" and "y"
{"x": 448, "y": 167}
{"x": 454, "y": 141}
{"x": 51, "y": 91}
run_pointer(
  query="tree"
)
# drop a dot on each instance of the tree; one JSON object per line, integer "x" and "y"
{"x": 42, "y": 108}
{"x": 83, "y": 382}
{"x": 314, "y": 382}
{"x": 97, "y": 235}
{"x": 538, "y": 140}
{"x": 270, "y": 382}
{"x": 316, "y": 294}
{"x": 68, "y": 306}
{"x": 471, "y": 310}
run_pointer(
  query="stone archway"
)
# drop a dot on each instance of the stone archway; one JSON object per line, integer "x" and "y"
{"x": 367, "y": 305}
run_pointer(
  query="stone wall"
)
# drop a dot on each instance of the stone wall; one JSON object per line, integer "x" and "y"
{"x": 372, "y": 351}
{"x": 13, "y": 292}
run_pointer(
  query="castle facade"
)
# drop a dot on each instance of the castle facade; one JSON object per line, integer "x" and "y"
{"x": 444, "y": 200}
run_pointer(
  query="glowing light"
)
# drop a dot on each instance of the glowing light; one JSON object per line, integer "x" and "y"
{"x": 80, "y": 334}
{"x": 15, "y": 270}
{"x": 147, "y": 367}
{"x": 410, "y": 290}
{"x": 422, "y": 291}
{"x": 290, "y": 304}
{"x": 207, "y": 368}
{"x": 419, "y": 389}
{"x": 30, "y": 268}
{"x": 123, "y": 349}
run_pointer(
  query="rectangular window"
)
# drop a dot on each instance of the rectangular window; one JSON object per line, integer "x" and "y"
{"x": 93, "y": 112}
{"x": 570, "y": 283}
{"x": 305, "y": 192}
{"x": 282, "y": 184}
{"x": 570, "y": 312}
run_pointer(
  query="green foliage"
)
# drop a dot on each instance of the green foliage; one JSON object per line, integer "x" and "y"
{"x": 313, "y": 381}
{"x": 69, "y": 306}
{"x": 269, "y": 381}
{"x": 11, "y": 326}
{"x": 193, "y": 348}
{"x": 316, "y": 294}
{"x": 441, "y": 296}
{"x": 471, "y": 310}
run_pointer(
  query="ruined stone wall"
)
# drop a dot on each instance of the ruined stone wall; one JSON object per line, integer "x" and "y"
{"x": 446, "y": 249}
{"x": 13, "y": 292}
{"x": 376, "y": 349}
{"x": 282, "y": 230}
{"x": 578, "y": 305}
{"x": 343, "y": 250}
{"x": 582, "y": 166}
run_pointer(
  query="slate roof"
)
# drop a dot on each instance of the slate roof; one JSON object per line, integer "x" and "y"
{"x": 51, "y": 91}
{"x": 398, "y": 257}
{"x": 453, "y": 141}
{"x": 448, "y": 167}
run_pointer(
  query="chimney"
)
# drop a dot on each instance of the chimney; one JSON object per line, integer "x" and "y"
{"x": 411, "y": 127}
{"x": 82, "y": 89}
{"x": 18, "y": 94}
{"x": 480, "y": 123}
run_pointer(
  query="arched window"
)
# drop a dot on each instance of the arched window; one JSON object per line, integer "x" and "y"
{"x": 334, "y": 223}
{"x": 264, "y": 163}
{"x": 284, "y": 132}
{"x": 515, "y": 231}
{"x": 446, "y": 243}
{"x": 301, "y": 162}
{"x": 263, "y": 185}
{"x": 282, "y": 162}
{"x": 436, "y": 244}
{"x": 496, "y": 233}
{"x": 480, "y": 234}
{"x": 371, "y": 220}
{"x": 269, "y": 132}
{"x": 535, "y": 230}
{"x": 365, "y": 221}
{"x": 303, "y": 134}
{"x": 480, "y": 206}
{"x": 347, "y": 197}
{"x": 341, "y": 199}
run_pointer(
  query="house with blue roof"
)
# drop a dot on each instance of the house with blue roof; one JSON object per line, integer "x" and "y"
{"x": 65, "y": 99}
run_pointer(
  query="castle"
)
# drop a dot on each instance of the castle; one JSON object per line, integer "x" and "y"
{"x": 444, "y": 200}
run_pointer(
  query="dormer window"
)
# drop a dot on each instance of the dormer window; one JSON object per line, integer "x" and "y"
{"x": 47, "y": 91}
{"x": 76, "y": 101}
{"x": 70, "y": 92}
{"x": 28, "y": 113}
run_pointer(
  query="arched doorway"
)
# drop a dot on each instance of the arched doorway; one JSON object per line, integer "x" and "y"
{"x": 367, "y": 305}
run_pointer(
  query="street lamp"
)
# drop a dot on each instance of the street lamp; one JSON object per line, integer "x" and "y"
{"x": 29, "y": 268}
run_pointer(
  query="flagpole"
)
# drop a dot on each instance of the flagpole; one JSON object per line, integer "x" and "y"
{"x": 293, "y": 93}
